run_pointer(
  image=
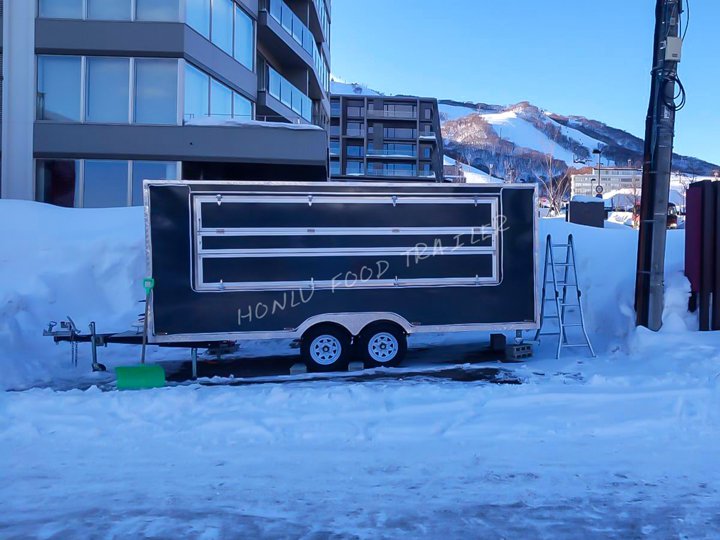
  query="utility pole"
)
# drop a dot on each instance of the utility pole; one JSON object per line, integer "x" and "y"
{"x": 659, "y": 134}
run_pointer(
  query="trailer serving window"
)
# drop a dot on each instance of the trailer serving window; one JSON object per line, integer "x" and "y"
{"x": 323, "y": 241}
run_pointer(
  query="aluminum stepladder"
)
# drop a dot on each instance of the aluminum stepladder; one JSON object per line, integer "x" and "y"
{"x": 562, "y": 277}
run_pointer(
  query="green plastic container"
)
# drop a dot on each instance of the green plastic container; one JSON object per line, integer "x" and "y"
{"x": 140, "y": 377}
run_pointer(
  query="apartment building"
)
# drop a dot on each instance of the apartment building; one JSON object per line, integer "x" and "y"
{"x": 385, "y": 138}
{"x": 608, "y": 180}
{"x": 100, "y": 94}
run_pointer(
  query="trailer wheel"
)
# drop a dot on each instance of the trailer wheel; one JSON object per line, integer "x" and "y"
{"x": 326, "y": 348}
{"x": 383, "y": 344}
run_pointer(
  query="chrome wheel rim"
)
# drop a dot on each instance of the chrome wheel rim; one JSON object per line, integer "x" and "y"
{"x": 383, "y": 347}
{"x": 325, "y": 350}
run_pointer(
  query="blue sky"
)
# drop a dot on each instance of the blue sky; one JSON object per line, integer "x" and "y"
{"x": 585, "y": 57}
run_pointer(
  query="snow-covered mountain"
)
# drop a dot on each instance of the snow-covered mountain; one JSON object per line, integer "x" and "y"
{"x": 515, "y": 141}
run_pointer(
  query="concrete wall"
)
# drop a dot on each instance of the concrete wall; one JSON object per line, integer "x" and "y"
{"x": 18, "y": 99}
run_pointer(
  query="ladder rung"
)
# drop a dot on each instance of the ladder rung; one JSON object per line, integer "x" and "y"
{"x": 574, "y": 325}
{"x": 551, "y": 334}
{"x": 551, "y": 317}
{"x": 560, "y": 245}
{"x": 577, "y": 345}
{"x": 569, "y": 305}
{"x": 564, "y": 265}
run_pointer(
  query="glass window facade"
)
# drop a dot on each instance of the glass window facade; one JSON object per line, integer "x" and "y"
{"x": 244, "y": 48}
{"x": 156, "y": 90}
{"x": 242, "y": 107}
{"x": 221, "y": 100}
{"x": 108, "y": 90}
{"x": 207, "y": 97}
{"x": 197, "y": 93}
{"x": 61, "y": 9}
{"x": 57, "y": 181}
{"x": 157, "y": 10}
{"x": 150, "y": 170}
{"x": 109, "y": 10}
{"x": 59, "y": 82}
{"x": 97, "y": 183}
{"x": 107, "y": 83}
{"x": 222, "y": 24}
{"x": 198, "y": 16}
{"x": 105, "y": 184}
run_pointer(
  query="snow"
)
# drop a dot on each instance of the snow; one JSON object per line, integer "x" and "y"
{"x": 473, "y": 175}
{"x": 510, "y": 126}
{"x": 339, "y": 87}
{"x": 455, "y": 112}
{"x": 620, "y": 446}
{"x": 235, "y": 122}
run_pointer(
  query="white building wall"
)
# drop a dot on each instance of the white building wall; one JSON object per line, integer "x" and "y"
{"x": 18, "y": 99}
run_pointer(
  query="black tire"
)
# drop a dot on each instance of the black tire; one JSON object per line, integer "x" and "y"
{"x": 382, "y": 345}
{"x": 326, "y": 348}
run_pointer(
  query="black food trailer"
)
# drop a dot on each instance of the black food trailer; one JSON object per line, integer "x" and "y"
{"x": 348, "y": 269}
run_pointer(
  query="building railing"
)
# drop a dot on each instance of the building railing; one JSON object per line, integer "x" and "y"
{"x": 355, "y": 133}
{"x": 428, "y": 135}
{"x": 323, "y": 16}
{"x": 391, "y": 153}
{"x": 280, "y": 88}
{"x": 229, "y": 119}
{"x": 408, "y": 115}
{"x": 297, "y": 29}
{"x": 391, "y": 172}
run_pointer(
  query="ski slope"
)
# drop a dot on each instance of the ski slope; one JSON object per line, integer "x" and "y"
{"x": 473, "y": 175}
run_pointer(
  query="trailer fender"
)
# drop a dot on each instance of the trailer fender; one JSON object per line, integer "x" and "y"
{"x": 354, "y": 322}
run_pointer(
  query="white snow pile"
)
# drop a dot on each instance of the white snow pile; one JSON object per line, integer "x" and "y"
{"x": 621, "y": 446}
{"x": 216, "y": 121}
{"x": 472, "y": 174}
{"x": 55, "y": 262}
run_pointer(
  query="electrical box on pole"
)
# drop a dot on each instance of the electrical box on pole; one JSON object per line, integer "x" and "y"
{"x": 659, "y": 136}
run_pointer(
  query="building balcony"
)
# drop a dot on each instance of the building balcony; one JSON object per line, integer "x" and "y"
{"x": 428, "y": 136}
{"x": 399, "y": 154}
{"x": 281, "y": 96}
{"x": 398, "y": 115}
{"x": 285, "y": 35}
{"x": 355, "y": 133}
{"x": 392, "y": 173}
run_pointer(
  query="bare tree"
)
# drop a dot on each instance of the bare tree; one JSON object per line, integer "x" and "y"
{"x": 556, "y": 186}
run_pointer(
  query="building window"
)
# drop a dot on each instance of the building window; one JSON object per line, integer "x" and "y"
{"x": 156, "y": 83}
{"x": 334, "y": 168}
{"x": 197, "y": 93}
{"x": 244, "y": 50}
{"x": 105, "y": 184}
{"x": 59, "y": 83}
{"x": 221, "y": 100}
{"x": 61, "y": 9}
{"x": 355, "y": 167}
{"x": 108, "y": 90}
{"x": 355, "y": 151}
{"x": 157, "y": 10}
{"x": 150, "y": 170}
{"x": 354, "y": 129}
{"x": 198, "y": 16}
{"x": 222, "y": 24}
{"x": 427, "y": 152}
{"x": 242, "y": 107}
{"x": 334, "y": 147}
{"x": 56, "y": 182}
{"x": 109, "y": 10}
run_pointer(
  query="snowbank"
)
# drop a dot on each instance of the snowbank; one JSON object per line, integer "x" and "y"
{"x": 89, "y": 264}
{"x": 56, "y": 262}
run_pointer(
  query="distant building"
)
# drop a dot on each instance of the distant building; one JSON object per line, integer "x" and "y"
{"x": 99, "y": 95}
{"x": 625, "y": 180}
{"x": 385, "y": 138}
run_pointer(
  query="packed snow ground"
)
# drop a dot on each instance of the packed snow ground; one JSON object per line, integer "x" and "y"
{"x": 622, "y": 446}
